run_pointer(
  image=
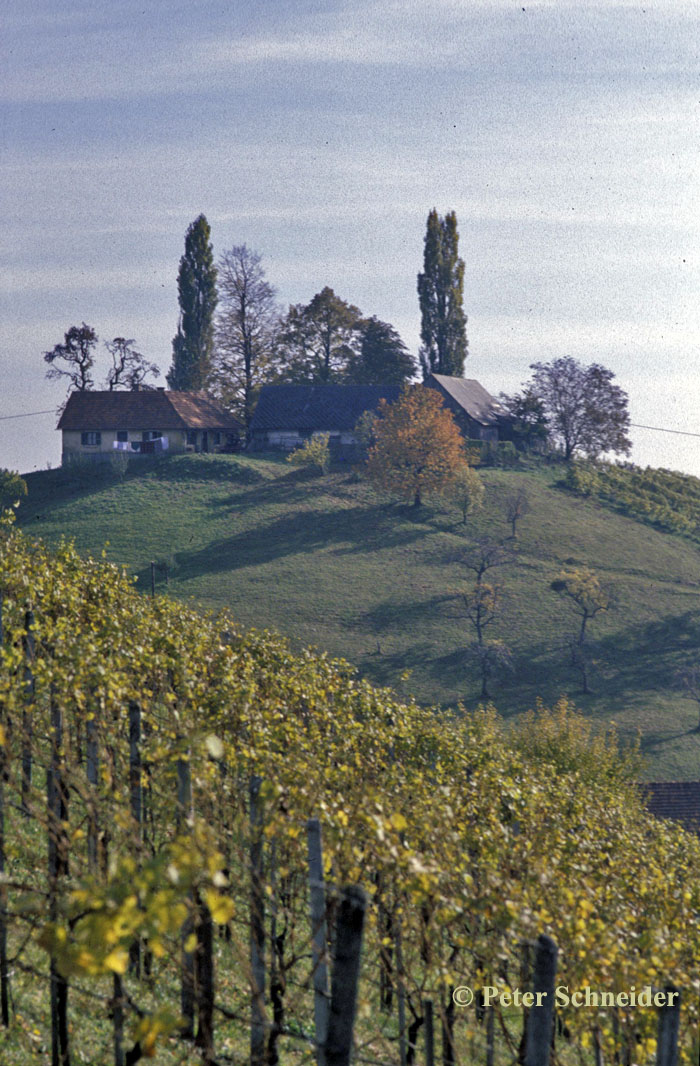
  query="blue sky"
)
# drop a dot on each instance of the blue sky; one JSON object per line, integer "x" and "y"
{"x": 564, "y": 135}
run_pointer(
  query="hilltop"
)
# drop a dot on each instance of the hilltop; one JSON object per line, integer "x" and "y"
{"x": 329, "y": 563}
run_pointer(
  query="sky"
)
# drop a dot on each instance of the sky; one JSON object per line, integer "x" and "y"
{"x": 564, "y": 135}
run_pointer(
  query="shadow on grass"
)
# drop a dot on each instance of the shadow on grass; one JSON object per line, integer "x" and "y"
{"x": 400, "y": 615}
{"x": 646, "y": 656}
{"x": 219, "y": 468}
{"x": 386, "y": 668}
{"x": 79, "y": 480}
{"x": 651, "y": 742}
{"x": 302, "y": 532}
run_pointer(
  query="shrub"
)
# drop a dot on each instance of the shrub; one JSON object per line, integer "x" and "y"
{"x": 581, "y": 479}
{"x": 315, "y": 452}
{"x": 506, "y": 453}
{"x": 491, "y": 453}
{"x": 12, "y": 488}
{"x": 119, "y": 464}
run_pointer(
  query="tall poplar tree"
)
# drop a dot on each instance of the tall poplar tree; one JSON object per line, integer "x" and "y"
{"x": 193, "y": 343}
{"x": 441, "y": 294}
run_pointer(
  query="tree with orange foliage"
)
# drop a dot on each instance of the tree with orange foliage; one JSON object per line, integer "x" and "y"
{"x": 417, "y": 445}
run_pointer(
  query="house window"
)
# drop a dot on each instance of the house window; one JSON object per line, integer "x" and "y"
{"x": 192, "y": 436}
{"x": 122, "y": 435}
{"x": 91, "y": 437}
{"x": 216, "y": 437}
{"x": 151, "y": 434}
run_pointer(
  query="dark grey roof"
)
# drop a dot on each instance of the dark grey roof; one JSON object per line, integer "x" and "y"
{"x": 144, "y": 409}
{"x": 318, "y": 407}
{"x": 679, "y": 800}
{"x": 472, "y": 397}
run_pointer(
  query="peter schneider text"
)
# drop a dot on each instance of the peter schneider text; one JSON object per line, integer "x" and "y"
{"x": 566, "y": 997}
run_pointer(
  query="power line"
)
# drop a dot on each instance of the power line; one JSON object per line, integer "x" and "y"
{"x": 658, "y": 429}
{"x": 633, "y": 425}
{"x": 29, "y": 414}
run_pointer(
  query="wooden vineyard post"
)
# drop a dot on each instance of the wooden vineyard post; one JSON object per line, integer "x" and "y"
{"x": 276, "y": 960}
{"x": 525, "y": 976}
{"x": 401, "y": 993}
{"x": 490, "y": 1046}
{"x": 386, "y": 962}
{"x": 204, "y": 981}
{"x": 429, "y": 1033}
{"x": 257, "y": 928}
{"x": 93, "y": 768}
{"x": 197, "y": 967}
{"x": 4, "y": 977}
{"x": 135, "y": 787}
{"x": 317, "y": 896}
{"x": 541, "y": 1018}
{"x": 597, "y": 1048}
{"x": 28, "y": 645}
{"x": 187, "y": 987}
{"x": 57, "y": 810}
{"x": 346, "y": 974}
{"x": 118, "y": 1018}
{"x": 448, "y": 1022}
{"x": 668, "y": 1028}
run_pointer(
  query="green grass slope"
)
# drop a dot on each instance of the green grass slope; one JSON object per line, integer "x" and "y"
{"x": 328, "y": 562}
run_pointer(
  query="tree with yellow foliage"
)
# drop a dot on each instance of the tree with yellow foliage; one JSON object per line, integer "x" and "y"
{"x": 417, "y": 446}
{"x": 582, "y": 587}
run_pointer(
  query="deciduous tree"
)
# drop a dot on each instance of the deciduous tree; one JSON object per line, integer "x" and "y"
{"x": 482, "y": 603}
{"x": 245, "y": 330}
{"x": 74, "y": 359}
{"x": 196, "y": 285}
{"x": 441, "y": 297}
{"x": 418, "y": 448}
{"x": 130, "y": 369}
{"x": 318, "y": 340}
{"x": 528, "y": 423}
{"x": 383, "y": 358}
{"x": 585, "y": 412}
{"x": 588, "y": 597}
{"x": 583, "y": 588}
{"x": 467, "y": 490}
{"x": 517, "y": 506}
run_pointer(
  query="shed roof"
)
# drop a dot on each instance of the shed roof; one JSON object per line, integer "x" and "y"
{"x": 472, "y": 397}
{"x": 144, "y": 409}
{"x": 679, "y": 800}
{"x": 318, "y": 407}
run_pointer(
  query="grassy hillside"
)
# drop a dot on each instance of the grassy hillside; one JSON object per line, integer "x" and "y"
{"x": 328, "y": 562}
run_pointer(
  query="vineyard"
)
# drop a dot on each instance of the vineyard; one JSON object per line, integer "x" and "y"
{"x": 661, "y": 498}
{"x": 172, "y": 784}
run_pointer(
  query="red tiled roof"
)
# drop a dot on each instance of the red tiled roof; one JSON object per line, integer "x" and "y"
{"x": 144, "y": 409}
{"x": 198, "y": 410}
{"x": 678, "y": 800}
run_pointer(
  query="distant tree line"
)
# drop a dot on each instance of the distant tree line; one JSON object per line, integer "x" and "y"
{"x": 233, "y": 337}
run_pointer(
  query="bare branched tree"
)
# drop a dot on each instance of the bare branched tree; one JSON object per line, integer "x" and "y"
{"x": 245, "y": 330}
{"x": 130, "y": 368}
{"x": 517, "y": 506}
{"x": 74, "y": 359}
